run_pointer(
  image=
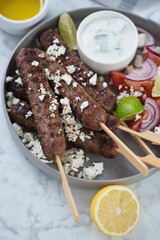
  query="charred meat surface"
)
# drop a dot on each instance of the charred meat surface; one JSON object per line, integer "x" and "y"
{"x": 84, "y": 106}
{"x": 43, "y": 103}
{"x": 95, "y": 88}
{"x": 98, "y": 143}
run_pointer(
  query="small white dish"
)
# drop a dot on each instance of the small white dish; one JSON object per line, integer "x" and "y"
{"x": 107, "y": 41}
{"x": 20, "y": 27}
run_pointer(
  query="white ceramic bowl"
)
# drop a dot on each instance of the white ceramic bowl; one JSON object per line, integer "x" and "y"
{"x": 20, "y": 27}
{"x": 99, "y": 65}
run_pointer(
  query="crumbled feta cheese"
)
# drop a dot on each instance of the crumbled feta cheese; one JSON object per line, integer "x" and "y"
{"x": 93, "y": 80}
{"x": 35, "y": 63}
{"x": 137, "y": 94}
{"x": 75, "y": 84}
{"x": 27, "y": 137}
{"x": 105, "y": 84}
{"x": 137, "y": 117}
{"x": 36, "y": 149}
{"x": 84, "y": 84}
{"x": 82, "y": 136}
{"x": 80, "y": 78}
{"x": 11, "y": 100}
{"x": 78, "y": 99}
{"x": 41, "y": 55}
{"x": 84, "y": 105}
{"x": 74, "y": 158}
{"x": 157, "y": 130}
{"x": 18, "y": 129}
{"x": 42, "y": 89}
{"x": 55, "y": 50}
{"x": 119, "y": 87}
{"x": 28, "y": 114}
{"x": 93, "y": 171}
{"x": 19, "y": 81}
{"x": 67, "y": 78}
{"x": 17, "y": 72}
{"x": 41, "y": 97}
{"x": 9, "y": 79}
{"x": 22, "y": 104}
{"x": 71, "y": 69}
{"x": 142, "y": 89}
{"x": 56, "y": 40}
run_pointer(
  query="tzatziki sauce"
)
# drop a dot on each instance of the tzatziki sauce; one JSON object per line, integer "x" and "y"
{"x": 107, "y": 39}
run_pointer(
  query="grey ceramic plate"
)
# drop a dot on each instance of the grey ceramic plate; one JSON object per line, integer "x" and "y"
{"x": 116, "y": 171}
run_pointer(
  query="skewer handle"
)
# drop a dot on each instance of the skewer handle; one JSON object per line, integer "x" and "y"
{"x": 140, "y": 141}
{"x": 67, "y": 191}
{"x": 134, "y": 159}
{"x": 151, "y": 160}
{"x": 147, "y": 135}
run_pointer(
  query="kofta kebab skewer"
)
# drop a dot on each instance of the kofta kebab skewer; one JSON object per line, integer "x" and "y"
{"x": 51, "y": 41}
{"x": 44, "y": 106}
{"x": 98, "y": 143}
{"x": 84, "y": 106}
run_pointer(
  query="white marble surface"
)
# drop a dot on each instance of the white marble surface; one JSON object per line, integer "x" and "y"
{"x": 33, "y": 205}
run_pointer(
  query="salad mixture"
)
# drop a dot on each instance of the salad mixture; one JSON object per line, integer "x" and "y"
{"x": 141, "y": 80}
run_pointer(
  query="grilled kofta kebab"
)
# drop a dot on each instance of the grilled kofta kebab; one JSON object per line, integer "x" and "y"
{"x": 43, "y": 104}
{"x": 90, "y": 141}
{"x": 54, "y": 45}
{"x": 84, "y": 106}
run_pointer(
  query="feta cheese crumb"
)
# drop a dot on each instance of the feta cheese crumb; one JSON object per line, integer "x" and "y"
{"x": 67, "y": 78}
{"x": 71, "y": 69}
{"x": 105, "y": 84}
{"x": 73, "y": 159}
{"x": 75, "y": 84}
{"x": 84, "y": 105}
{"x": 41, "y": 97}
{"x": 93, "y": 171}
{"x": 78, "y": 99}
{"x": 137, "y": 117}
{"x": 35, "y": 63}
{"x": 9, "y": 79}
{"x": 11, "y": 100}
{"x": 17, "y": 72}
{"x": 41, "y": 55}
{"x": 28, "y": 114}
{"x": 36, "y": 149}
{"x": 55, "y": 50}
{"x": 19, "y": 81}
{"x": 93, "y": 80}
{"x": 157, "y": 130}
{"x": 18, "y": 129}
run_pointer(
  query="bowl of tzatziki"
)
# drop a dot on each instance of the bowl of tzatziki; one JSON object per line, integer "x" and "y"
{"x": 107, "y": 41}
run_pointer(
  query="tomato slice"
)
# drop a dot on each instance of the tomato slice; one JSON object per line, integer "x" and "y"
{"x": 118, "y": 79}
{"x": 153, "y": 57}
{"x": 135, "y": 125}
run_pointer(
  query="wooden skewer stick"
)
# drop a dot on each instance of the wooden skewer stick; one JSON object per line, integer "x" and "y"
{"x": 147, "y": 135}
{"x": 149, "y": 159}
{"x": 134, "y": 159}
{"x": 140, "y": 141}
{"x": 67, "y": 190}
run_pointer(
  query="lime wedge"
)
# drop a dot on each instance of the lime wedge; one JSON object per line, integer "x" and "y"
{"x": 128, "y": 107}
{"x": 67, "y": 30}
{"x": 156, "y": 88}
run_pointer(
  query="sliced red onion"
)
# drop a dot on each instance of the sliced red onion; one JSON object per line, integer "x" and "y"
{"x": 153, "y": 117}
{"x": 150, "y": 39}
{"x": 147, "y": 72}
{"x": 153, "y": 50}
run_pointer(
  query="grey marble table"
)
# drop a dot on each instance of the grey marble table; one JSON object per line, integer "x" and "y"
{"x": 33, "y": 205}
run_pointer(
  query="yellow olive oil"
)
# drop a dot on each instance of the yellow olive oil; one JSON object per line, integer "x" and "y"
{"x": 19, "y": 9}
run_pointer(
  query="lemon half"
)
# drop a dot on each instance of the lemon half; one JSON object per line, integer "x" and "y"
{"x": 115, "y": 210}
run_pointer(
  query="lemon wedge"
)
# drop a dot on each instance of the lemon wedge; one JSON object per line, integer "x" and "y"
{"x": 156, "y": 88}
{"x": 115, "y": 210}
